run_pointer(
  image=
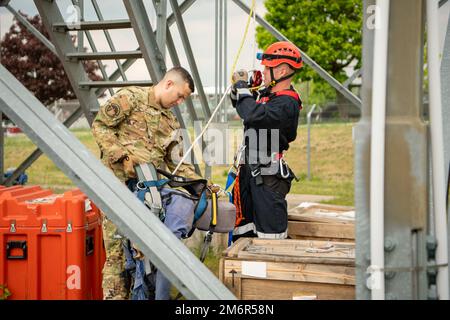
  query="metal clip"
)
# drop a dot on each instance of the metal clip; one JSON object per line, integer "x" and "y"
{"x": 238, "y": 156}
{"x": 256, "y": 172}
{"x": 44, "y": 226}
{"x": 140, "y": 185}
{"x": 69, "y": 227}
{"x": 283, "y": 166}
{"x": 12, "y": 229}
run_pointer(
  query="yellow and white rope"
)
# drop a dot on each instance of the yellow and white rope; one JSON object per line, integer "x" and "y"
{"x": 225, "y": 93}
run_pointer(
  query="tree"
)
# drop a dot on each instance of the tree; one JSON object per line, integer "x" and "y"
{"x": 330, "y": 32}
{"x": 35, "y": 66}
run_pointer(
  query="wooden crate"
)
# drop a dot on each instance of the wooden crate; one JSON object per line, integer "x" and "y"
{"x": 313, "y": 221}
{"x": 260, "y": 269}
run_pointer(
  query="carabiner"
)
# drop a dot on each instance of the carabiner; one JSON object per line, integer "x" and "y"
{"x": 283, "y": 173}
{"x": 238, "y": 156}
{"x": 140, "y": 185}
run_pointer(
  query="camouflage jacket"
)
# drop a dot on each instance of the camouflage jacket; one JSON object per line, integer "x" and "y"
{"x": 132, "y": 123}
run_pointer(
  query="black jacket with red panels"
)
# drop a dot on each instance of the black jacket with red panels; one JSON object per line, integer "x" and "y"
{"x": 272, "y": 111}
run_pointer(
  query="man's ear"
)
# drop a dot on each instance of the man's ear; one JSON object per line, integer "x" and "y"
{"x": 286, "y": 70}
{"x": 169, "y": 83}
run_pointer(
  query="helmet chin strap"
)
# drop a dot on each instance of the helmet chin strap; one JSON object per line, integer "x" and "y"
{"x": 273, "y": 81}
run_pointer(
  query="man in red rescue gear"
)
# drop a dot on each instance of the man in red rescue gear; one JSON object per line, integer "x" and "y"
{"x": 270, "y": 119}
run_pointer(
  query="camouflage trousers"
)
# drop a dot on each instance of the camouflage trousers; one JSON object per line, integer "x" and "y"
{"x": 114, "y": 282}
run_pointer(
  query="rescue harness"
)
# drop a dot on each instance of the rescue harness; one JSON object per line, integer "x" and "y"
{"x": 233, "y": 173}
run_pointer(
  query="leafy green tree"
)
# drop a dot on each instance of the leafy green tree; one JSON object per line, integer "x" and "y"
{"x": 330, "y": 32}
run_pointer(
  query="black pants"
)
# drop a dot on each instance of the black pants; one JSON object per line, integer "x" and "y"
{"x": 264, "y": 206}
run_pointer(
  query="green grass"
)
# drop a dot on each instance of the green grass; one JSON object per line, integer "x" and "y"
{"x": 331, "y": 162}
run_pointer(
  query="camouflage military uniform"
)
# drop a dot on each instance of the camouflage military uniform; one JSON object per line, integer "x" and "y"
{"x": 132, "y": 123}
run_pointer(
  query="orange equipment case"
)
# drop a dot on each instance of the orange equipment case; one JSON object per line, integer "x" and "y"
{"x": 51, "y": 245}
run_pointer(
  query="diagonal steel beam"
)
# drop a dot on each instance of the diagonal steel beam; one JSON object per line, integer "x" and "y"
{"x": 35, "y": 32}
{"x": 108, "y": 39}
{"x": 352, "y": 78}
{"x": 161, "y": 25}
{"x": 176, "y": 62}
{"x": 146, "y": 39}
{"x": 324, "y": 74}
{"x": 131, "y": 216}
{"x": 99, "y": 62}
{"x": 190, "y": 56}
{"x": 189, "y": 104}
{"x": 37, "y": 152}
{"x": 75, "y": 71}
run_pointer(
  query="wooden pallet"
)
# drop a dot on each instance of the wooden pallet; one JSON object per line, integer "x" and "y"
{"x": 322, "y": 222}
{"x": 289, "y": 269}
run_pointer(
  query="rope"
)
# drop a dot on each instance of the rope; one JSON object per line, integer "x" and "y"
{"x": 254, "y": 40}
{"x": 237, "y": 201}
{"x": 243, "y": 39}
{"x": 203, "y": 131}
{"x": 226, "y": 91}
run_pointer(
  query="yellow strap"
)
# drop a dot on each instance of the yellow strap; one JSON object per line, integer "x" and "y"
{"x": 214, "y": 209}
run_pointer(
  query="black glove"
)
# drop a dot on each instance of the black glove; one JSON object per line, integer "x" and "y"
{"x": 237, "y": 85}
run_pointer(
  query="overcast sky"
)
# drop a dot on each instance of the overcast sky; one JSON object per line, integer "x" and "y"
{"x": 200, "y": 24}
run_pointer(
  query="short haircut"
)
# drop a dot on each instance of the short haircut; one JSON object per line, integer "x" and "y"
{"x": 184, "y": 74}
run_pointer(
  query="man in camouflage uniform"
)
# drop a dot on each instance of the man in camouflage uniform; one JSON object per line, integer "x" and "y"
{"x": 136, "y": 126}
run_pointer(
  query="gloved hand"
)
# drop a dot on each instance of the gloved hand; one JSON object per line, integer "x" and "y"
{"x": 239, "y": 80}
{"x": 213, "y": 187}
{"x": 128, "y": 166}
{"x": 138, "y": 255}
{"x": 240, "y": 75}
{"x": 233, "y": 94}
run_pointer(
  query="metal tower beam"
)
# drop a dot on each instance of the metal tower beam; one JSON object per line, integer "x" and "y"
{"x": 170, "y": 255}
{"x": 146, "y": 39}
{"x": 176, "y": 62}
{"x": 35, "y": 32}
{"x": 352, "y": 78}
{"x": 406, "y": 199}
{"x": 37, "y": 152}
{"x": 324, "y": 74}
{"x": 50, "y": 14}
{"x": 161, "y": 25}
{"x": 108, "y": 38}
{"x": 190, "y": 56}
{"x": 362, "y": 143}
{"x": 445, "y": 87}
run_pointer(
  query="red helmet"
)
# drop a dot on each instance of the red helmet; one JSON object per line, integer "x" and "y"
{"x": 281, "y": 52}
